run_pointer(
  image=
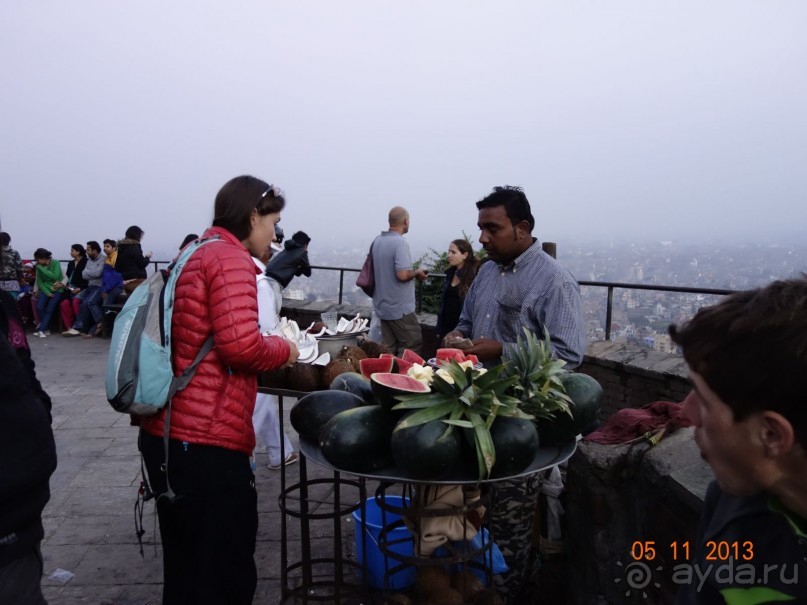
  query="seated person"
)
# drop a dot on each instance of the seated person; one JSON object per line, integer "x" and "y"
{"x": 50, "y": 288}
{"x": 748, "y": 367}
{"x": 111, "y": 280}
{"x": 75, "y": 287}
{"x": 89, "y": 320}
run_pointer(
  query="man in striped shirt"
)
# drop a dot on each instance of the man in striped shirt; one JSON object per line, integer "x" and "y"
{"x": 521, "y": 286}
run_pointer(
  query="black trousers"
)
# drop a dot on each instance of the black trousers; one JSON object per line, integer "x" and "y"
{"x": 208, "y": 531}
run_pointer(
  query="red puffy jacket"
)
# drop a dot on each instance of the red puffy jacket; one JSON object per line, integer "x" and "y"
{"x": 216, "y": 294}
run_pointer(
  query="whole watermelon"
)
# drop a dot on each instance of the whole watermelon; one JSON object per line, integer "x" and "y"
{"x": 587, "y": 396}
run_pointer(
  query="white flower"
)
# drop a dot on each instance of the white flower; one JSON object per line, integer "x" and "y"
{"x": 422, "y": 373}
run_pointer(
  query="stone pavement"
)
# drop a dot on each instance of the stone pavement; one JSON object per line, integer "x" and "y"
{"x": 89, "y": 521}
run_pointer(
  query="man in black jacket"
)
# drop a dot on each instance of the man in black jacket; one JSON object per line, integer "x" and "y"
{"x": 291, "y": 262}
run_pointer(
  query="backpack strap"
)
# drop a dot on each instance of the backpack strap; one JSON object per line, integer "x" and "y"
{"x": 177, "y": 384}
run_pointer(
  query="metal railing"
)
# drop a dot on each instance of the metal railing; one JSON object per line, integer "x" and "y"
{"x": 610, "y": 286}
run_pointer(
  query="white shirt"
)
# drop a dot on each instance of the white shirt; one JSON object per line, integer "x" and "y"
{"x": 267, "y": 315}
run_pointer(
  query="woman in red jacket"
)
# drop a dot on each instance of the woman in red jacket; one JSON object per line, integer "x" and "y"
{"x": 209, "y": 529}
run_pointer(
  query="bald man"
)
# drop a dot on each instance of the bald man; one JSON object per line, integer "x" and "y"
{"x": 394, "y": 295}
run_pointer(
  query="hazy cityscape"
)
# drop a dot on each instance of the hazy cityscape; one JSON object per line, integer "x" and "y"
{"x": 639, "y": 317}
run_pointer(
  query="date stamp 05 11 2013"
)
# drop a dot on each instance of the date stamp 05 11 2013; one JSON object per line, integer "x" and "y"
{"x": 721, "y": 562}
{"x": 714, "y": 550}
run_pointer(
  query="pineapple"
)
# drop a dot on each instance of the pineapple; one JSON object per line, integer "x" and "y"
{"x": 538, "y": 378}
{"x": 469, "y": 399}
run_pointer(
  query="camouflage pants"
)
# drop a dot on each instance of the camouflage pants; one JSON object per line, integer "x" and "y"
{"x": 512, "y": 519}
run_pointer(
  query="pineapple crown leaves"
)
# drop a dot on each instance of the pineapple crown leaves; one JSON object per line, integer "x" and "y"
{"x": 461, "y": 390}
{"x": 539, "y": 377}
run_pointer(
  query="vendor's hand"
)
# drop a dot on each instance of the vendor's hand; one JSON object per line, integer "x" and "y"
{"x": 486, "y": 348}
{"x": 452, "y": 336}
{"x": 421, "y": 274}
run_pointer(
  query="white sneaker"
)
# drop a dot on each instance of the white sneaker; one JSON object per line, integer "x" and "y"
{"x": 40, "y": 334}
{"x": 71, "y": 332}
{"x": 47, "y": 332}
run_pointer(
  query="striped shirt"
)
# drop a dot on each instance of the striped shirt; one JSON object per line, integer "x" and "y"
{"x": 533, "y": 292}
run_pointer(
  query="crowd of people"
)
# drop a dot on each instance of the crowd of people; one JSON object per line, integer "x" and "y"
{"x": 94, "y": 283}
{"x": 751, "y": 424}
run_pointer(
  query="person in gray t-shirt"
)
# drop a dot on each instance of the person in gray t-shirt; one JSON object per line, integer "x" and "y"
{"x": 394, "y": 295}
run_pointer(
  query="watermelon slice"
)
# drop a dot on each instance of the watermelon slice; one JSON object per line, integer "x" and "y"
{"x": 412, "y": 357}
{"x": 449, "y": 354}
{"x": 371, "y": 365}
{"x": 402, "y": 365}
{"x": 386, "y": 356}
{"x": 472, "y": 358}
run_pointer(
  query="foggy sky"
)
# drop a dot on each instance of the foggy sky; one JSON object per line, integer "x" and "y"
{"x": 621, "y": 120}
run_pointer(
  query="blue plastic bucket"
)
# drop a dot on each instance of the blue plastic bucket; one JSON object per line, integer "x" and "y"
{"x": 376, "y": 567}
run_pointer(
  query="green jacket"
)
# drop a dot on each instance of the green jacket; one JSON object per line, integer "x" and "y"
{"x": 47, "y": 275}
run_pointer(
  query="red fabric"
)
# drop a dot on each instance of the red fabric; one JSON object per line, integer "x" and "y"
{"x": 629, "y": 423}
{"x": 216, "y": 294}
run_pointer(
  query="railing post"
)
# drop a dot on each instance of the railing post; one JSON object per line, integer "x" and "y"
{"x": 341, "y": 283}
{"x": 419, "y": 291}
{"x": 608, "y": 308}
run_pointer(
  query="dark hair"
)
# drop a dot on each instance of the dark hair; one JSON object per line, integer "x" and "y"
{"x": 301, "y": 238}
{"x": 80, "y": 249}
{"x": 469, "y": 269}
{"x": 42, "y": 253}
{"x": 93, "y": 245}
{"x": 134, "y": 232}
{"x": 188, "y": 239}
{"x": 111, "y": 242}
{"x": 5, "y": 238}
{"x": 514, "y": 201}
{"x": 751, "y": 349}
{"x": 238, "y": 198}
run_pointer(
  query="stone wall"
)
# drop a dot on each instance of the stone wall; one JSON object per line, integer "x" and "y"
{"x": 633, "y": 378}
{"x": 620, "y": 494}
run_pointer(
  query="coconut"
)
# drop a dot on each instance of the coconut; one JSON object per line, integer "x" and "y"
{"x": 337, "y": 366}
{"x": 488, "y": 597}
{"x": 303, "y": 377}
{"x": 429, "y": 580}
{"x": 372, "y": 348}
{"x": 274, "y": 379}
{"x": 445, "y": 596}
{"x": 317, "y": 328}
{"x": 353, "y": 354}
{"x": 400, "y": 598}
{"x": 467, "y": 584}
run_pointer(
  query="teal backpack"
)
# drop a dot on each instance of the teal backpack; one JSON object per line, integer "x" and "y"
{"x": 140, "y": 376}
